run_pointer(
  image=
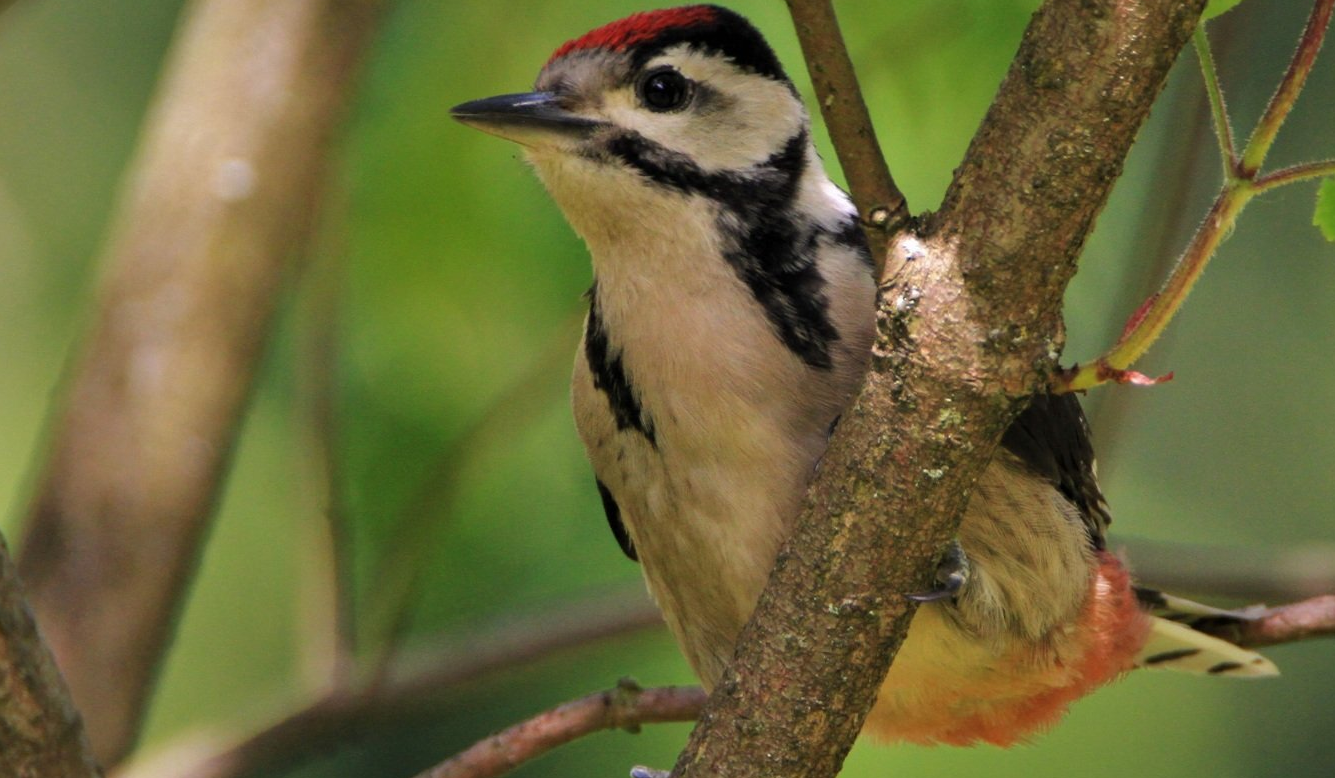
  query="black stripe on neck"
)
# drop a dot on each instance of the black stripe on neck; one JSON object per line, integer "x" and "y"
{"x": 773, "y": 250}
{"x": 609, "y": 376}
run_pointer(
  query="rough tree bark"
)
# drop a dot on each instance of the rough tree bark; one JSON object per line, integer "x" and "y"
{"x": 970, "y": 325}
{"x": 41, "y": 733}
{"x": 221, "y": 197}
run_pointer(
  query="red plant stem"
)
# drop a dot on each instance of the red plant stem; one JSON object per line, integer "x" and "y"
{"x": 1292, "y": 175}
{"x": 1289, "y": 88}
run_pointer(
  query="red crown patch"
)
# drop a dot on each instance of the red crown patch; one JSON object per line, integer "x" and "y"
{"x": 638, "y": 28}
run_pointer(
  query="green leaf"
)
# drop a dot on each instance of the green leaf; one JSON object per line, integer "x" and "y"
{"x": 1217, "y": 7}
{"x": 1324, "y": 218}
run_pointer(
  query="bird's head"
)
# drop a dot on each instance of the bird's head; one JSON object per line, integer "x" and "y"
{"x": 682, "y": 100}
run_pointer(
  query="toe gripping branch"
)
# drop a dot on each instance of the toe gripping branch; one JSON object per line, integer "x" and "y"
{"x": 952, "y": 573}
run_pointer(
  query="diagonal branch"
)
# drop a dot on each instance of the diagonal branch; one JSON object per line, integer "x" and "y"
{"x": 221, "y": 196}
{"x": 969, "y": 326}
{"x": 881, "y": 205}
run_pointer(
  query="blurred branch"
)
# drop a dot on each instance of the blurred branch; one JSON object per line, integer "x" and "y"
{"x": 220, "y": 198}
{"x": 625, "y": 707}
{"x": 1246, "y": 574}
{"x": 41, "y": 733}
{"x": 417, "y": 683}
{"x": 880, "y": 204}
{"x": 399, "y": 569}
{"x": 328, "y": 586}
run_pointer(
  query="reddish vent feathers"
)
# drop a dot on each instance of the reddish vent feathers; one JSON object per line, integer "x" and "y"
{"x": 638, "y": 28}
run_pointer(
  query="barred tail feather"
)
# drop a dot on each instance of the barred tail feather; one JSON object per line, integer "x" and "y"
{"x": 1175, "y": 646}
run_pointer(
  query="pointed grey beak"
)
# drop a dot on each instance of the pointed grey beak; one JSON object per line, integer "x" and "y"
{"x": 531, "y": 119}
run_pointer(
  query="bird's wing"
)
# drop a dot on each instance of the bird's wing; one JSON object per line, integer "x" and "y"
{"x": 1052, "y": 438}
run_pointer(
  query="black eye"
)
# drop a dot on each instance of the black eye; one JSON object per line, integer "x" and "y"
{"x": 665, "y": 90}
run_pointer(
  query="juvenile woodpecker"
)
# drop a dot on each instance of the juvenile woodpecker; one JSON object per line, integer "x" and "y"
{"x": 730, "y": 322}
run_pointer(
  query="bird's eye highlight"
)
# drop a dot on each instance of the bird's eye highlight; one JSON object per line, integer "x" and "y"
{"x": 664, "y": 90}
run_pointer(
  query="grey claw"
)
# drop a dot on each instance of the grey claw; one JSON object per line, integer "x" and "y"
{"x": 951, "y": 575}
{"x": 640, "y": 771}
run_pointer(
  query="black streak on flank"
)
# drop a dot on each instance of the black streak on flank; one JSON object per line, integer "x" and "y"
{"x": 1224, "y": 667}
{"x": 609, "y": 376}
{"x": 772, "y": 249}
{"x": 614, "y": 521}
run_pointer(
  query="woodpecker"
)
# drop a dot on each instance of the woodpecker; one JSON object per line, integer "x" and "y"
{"x": 730, "y": 323}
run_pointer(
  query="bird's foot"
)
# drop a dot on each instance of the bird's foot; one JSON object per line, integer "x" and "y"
{"x": 952, "y": 573}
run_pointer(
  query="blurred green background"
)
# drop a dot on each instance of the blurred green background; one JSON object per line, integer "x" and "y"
{"x": 461, "y": 278}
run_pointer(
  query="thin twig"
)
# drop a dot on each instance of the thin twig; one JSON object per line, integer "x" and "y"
{"x": 418, "y": 682}
{"x": 1149, "y": 321}
{"x": 879, "y": 201}
{"x": 1163, "y": 226}
{"x": 1286, "y": 95}
{"x": 1292, "y": 175}
{"x": 625, "y": 707}
{"x": 1218, "y": 108}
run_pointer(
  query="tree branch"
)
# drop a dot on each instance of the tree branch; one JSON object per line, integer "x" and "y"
{"x": 220, "y": 198}
{"x": 1304, "y": 620}
{"x": 880, "y": 204}
{"x": 625, "y": 707}
{"x": 969, "y": 327}
{"x": 41, "y": 733}
{"x": 397, "y": 574}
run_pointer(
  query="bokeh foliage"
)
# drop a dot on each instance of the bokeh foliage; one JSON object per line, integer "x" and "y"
{"x": 461, "y": 276}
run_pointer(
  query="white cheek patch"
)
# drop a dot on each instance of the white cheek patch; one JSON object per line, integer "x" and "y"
{"x": 751, "y": 116}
